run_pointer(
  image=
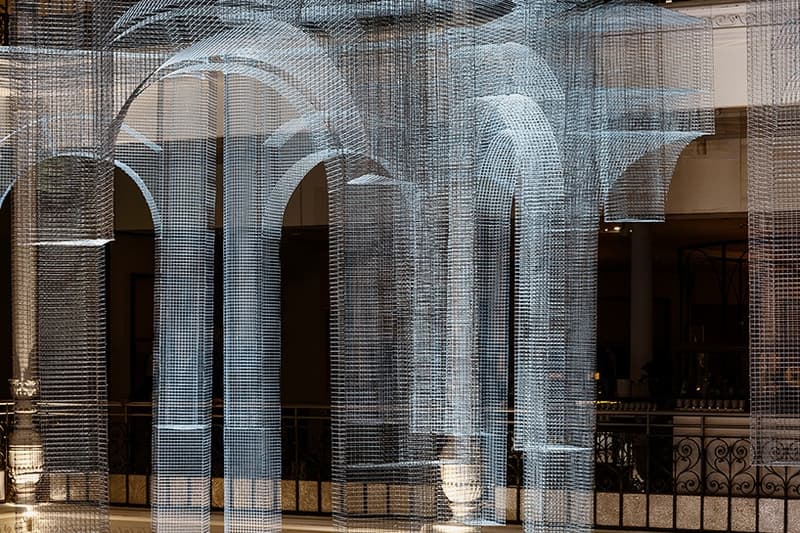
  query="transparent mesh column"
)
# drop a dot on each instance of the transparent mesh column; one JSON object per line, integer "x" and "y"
{"x": 435, "y": 114}
{"x": 184, "y": 305}
{"x": 283, "y": 118}
{"x": 63, "y": 216}
{"x": 773, "y": 118}
{"x": 628, "y": 109}
{"x": 389, "y": 431}
{"x": 385, "y": 471}
{"x": 251, "y": 304}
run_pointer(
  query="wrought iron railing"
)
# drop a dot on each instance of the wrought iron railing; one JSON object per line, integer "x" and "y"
{"x": 688, "y": 470}
{"x": 655, "y": 470}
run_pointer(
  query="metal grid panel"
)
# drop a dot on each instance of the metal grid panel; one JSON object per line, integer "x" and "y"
{"x": 304, "y": 119}
{"x": 773, "y": 201}
{"x": 184, "y": 298}
{"x": 417, "y": 399}
{"x": 172, "y": 158}
{"x": 383, "y": 469}
{"x": 485, "y": 128}
{"x": 62, "y": 203}
{"x": 465, "y": 105}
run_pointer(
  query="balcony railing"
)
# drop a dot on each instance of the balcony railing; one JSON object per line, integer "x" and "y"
{"x": 655, "y": 470}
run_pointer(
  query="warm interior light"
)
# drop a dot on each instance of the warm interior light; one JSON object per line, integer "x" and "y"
{"x": 26, "y": 463}
{"x": 613, "y": 229}
{"x": 461, "y": 484}
{"x": 449, "y": 528}
{"x": 29, "y": 516}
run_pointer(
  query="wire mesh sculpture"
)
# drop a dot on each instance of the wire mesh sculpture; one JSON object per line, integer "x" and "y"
{"x": 62, "y": 212}
{"x": 413, "y": 436}
{"x": 773, "y": 116}
{"x": 286, "y": 110}
{"x": 303, "y": 119}
{"x": 583, "y": 139}
{"x": 631, "y": 106}
{"x": 431, "y": 119}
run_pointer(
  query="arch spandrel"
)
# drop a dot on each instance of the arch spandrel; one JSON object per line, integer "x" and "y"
{"x": 639, "y": 192}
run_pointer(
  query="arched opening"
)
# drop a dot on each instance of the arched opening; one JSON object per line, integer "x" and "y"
{"x": 695, "y": 279}
{"x": 131, "y": 263}
{"x": 256, "y": 187}
{"x": 305, "y": 345}
{"x": 130, "y": 299}
{"x": 305, "y": 298}
{"x": 273, "y": 139}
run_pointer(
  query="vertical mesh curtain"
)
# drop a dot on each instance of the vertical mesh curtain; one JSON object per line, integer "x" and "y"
{"x": 410, "y": 436}
{"x": 382, "y": 471}
{"x": 630, "y": 106}
{"x": 62, "y": 216}
{"x": 466, "y": 105}
{"x": 560, "y": 135}
{"x": 773, "y": 117}
{"x": 294, "y": 114}
{"x": 169, "y": 142}
{"x": 286, "y": 110}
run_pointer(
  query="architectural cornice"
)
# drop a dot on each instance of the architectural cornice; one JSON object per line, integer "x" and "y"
{"x": 732, "y": 20}
{"x": 721, "y": 16}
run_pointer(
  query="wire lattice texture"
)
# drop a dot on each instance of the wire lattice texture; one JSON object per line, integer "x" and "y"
{"x": 277, "y": 130}
{"x": 415, "y": 399}
{"x": 524, "y": 104}
{"x": 773, "y": 117}
{"x": 431, "y": 118}
{"x": 285, "y": 111}
{"x": 62, "y": 203}
{"x": 630, "y": 105}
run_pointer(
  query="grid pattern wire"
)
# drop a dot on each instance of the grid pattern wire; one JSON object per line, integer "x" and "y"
{"x": 453, "y": 129}
{"x": 62, "y": 204}
{"x": 773, "y": 116}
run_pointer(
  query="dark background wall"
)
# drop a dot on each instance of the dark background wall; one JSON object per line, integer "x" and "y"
{"x": 305, "y": 306}
{"x": 5, "y": 299}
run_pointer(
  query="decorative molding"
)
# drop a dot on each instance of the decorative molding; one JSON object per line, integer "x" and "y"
{"x": 24, "y": 388}
{"x": 732, "y": 20}
{"x": 726, "y": 16}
